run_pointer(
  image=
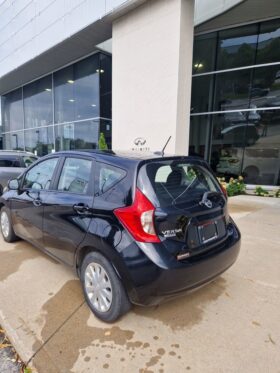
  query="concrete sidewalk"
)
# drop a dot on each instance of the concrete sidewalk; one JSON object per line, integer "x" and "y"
{"x": 231, "y": 325}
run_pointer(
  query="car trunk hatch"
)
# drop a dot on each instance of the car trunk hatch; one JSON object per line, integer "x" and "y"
{"x": 191, "y": 213}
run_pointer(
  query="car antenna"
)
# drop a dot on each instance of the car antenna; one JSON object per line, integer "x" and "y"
{"x": 163, "y": 149}
{"x": 162, "y": 152}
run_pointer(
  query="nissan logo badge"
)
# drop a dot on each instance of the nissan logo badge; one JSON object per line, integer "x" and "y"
{"x": 208, "y": 203}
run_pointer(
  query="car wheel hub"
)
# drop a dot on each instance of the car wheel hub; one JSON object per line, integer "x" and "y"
{"x": 5, "y": 226}
{"x": 98, "y": 287}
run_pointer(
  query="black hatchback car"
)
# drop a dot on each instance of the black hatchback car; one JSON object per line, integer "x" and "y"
{"x": 138, "y": 229}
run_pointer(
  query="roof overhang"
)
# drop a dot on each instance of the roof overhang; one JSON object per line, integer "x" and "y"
{"x": 69, "y": 50}
{"x": 248, "y": 11}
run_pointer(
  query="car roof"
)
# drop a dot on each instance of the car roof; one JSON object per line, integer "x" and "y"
{"x": 132, "y": 156}
{"x": 16, "y": 152}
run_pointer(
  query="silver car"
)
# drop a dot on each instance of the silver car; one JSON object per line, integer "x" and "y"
{"x": 12, "y": 164}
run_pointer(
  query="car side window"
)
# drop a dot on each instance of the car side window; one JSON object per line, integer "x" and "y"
{"x": 40, "y": 176}
{"x": 9, "y": 162}
{"x": 107, "y": 176}
{"x": 75, "y": 175}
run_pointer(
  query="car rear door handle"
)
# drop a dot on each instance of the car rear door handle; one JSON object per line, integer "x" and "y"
{"x": 80, "y": 208}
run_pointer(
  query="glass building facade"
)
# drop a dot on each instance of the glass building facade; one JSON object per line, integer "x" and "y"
{"x": 235, "y": 110}
{"x": 68, "y": 109}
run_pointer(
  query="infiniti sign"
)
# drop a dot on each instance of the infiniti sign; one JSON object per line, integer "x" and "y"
{"x": 139, "y": 144}
{"x": 139, "y": 141}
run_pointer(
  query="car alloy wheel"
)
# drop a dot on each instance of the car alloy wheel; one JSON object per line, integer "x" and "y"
{"x": 98, "y": 287}
{"x": 5, "y": 224}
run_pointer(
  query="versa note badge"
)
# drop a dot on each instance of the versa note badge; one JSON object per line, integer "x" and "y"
{"x": 171, "y": 232}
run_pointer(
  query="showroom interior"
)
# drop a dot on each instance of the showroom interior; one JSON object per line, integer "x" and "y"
{"x": 235, "y": 109}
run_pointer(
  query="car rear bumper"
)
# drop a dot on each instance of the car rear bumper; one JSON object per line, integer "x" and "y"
{"x": 161, "y": 283}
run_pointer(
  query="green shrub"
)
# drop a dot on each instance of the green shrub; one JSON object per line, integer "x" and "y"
{"x": 235, "y": 186}
{"x": 102, "y": 145}
{"x": 277, "y": 193}
{"x": 259, "y": 191}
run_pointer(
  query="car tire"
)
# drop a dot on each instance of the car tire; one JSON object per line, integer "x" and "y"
{"x": 6, "y": 225}
{"x": 103, "y": 290}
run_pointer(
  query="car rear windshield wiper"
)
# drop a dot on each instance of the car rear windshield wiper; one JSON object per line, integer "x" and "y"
{"x": 181, "y": 194}
{"x": 205, "y": 198}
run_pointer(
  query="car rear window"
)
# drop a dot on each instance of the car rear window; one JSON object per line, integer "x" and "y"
{"x": 9, "y": 162}
{"x": 107, "y": 176}
{"x": 175, "y": 182}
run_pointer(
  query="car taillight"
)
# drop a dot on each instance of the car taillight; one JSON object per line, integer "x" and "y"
{"x": 226, "y": 206}
{"x": 139, "y": 218}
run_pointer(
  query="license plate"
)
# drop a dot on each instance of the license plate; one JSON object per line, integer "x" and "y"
{"x": 208, "y": 232}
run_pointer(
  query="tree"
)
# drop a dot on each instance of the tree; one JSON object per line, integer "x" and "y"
{"x": 102, "y": 145}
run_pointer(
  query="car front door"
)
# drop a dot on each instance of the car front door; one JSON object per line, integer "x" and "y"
{"x": 67, "y": 212}
{"x": 28, "y": 205}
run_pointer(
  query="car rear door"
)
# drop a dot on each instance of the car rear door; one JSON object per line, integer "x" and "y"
{"x": 191, "y": 212}
{"x": 67, "y": 212}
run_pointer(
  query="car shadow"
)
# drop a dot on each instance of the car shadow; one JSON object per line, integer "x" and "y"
{"x": 186, "y": 310}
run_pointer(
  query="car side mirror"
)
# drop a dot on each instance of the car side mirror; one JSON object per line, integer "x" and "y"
{"x": 13, "y": 184}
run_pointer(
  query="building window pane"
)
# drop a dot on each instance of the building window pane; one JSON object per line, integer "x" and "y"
{"x": 64, "y": 99}
{"x": 232, "y": 90}
{"x": 228, "y": 141}
{"x": 204, "y": 51}
{"x": 13, "y": 141}
{"x": 86, "y": 87}
{"x": 81, "y": 135}
{"x": 105, "y": 86}
{"x": 77, "y": 91}
{"x": 261, "y": 163}
{"x": 38, "y": 108}
{"x": 269, "y": 42}
{"x": 12, "y": 111}
{"x": 265, "y": 88}
{"x": 247, "y": 148}
{"x": 237, "y": 47}
{"x": 202, "y": 93}
{"x": 199, "y": 133}
{"x": 39, "y": 141}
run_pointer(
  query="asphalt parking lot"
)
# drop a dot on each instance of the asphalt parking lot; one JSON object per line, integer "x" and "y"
{"x": 230, "y": 325}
